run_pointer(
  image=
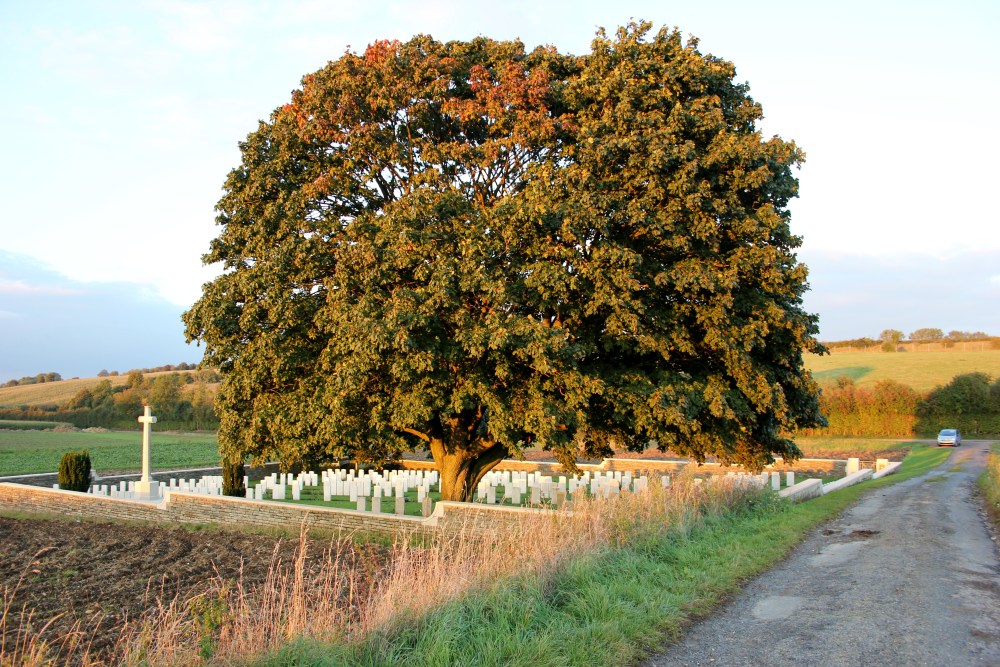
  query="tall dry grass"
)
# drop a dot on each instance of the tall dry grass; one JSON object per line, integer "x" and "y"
{"x": 345, "y": 598}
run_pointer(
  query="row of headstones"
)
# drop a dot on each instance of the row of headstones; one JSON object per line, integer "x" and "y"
{"x": 347, "y": 483}
{"x": 210, "y": 485}
{"x": 374, "y": 485}
{"x": 541, "y": 489}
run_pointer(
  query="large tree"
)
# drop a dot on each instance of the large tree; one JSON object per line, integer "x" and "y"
{"x": 472, "y": 249}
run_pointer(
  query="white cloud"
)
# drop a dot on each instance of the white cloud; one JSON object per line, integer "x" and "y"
{"x": 21, "y": 288}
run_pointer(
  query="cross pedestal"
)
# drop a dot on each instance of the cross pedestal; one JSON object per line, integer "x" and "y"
{"x": 144, "y": 487}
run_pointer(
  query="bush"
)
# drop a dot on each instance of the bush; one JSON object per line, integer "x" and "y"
{"x": 74, "y": 471}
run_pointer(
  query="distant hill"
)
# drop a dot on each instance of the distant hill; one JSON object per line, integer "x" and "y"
{"x": 920, "y": 370}
{"x": 61, "y": 391}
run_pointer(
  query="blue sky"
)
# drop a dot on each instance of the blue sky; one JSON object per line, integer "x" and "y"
{"x": 123, "y": 119}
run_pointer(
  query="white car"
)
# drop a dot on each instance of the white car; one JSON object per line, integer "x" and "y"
{"x": 949, "y": 437}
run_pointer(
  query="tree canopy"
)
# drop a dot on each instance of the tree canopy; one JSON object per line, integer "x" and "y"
{"x": 474, "y": 249}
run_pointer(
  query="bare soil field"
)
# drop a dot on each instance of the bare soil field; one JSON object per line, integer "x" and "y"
{"x": 92, "y": 577}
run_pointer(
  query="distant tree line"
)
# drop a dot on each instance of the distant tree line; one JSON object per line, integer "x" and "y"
{"x": 183, "y": 366}
{"x": 891, "y": 339}
{"x": 103, "y": 373}
{"x": 36, "y": 379}
{"x": 970, "y": 402}
{"x": 182, "y": 401}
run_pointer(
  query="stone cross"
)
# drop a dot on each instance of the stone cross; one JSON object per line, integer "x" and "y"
{"x": 144, "y": 487}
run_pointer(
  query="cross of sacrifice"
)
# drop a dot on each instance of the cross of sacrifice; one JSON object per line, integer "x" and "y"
{"x": 147, "y": 420}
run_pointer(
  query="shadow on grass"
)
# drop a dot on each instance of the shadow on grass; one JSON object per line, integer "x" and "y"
{"x": 853, "y": 372}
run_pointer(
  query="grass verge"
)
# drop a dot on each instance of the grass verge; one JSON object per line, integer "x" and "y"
{"x": 989, "y": 483}
{"x": 605, "y": 607}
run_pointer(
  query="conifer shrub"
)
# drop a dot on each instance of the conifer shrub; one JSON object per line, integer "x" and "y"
{"x": 74, "y": 471}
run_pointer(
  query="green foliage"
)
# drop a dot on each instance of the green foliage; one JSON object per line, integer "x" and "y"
{"x": 989, "y": 483}
{"x": 34, "y": 379}
{"x": 885, "y": 410}
{"x": 927, "y": 334}
{"x": 891, "y": 336}
{"x": 179, "y": 401}
{"x": 74, "y": 471}
{"x": 469, "y": 248}
{"x": 970, "y": 393}
{"x": 210, "y": 613}
{"x": 969, "y": 402}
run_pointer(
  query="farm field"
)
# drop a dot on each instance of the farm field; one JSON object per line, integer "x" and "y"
{"x": 26, "y": 452}
{"x": 922, "y": 371}
{"x": 61, "y": 391}
{"x": 863, "y": 448}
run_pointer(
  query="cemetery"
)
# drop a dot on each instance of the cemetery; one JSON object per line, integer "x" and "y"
{"x": 399, "y": 504}
{"x": 403, "y": 501}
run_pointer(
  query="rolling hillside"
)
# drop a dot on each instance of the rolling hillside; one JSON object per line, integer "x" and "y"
{"x": 57, "y": 393}
{"x": 920, "y": 370}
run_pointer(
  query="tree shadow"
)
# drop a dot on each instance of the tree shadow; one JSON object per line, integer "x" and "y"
{"x": 853, "y": 372}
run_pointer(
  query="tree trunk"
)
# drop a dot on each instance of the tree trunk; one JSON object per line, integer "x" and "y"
{"x": 461, "y": 468}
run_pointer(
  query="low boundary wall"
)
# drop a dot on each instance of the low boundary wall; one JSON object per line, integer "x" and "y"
{"x": 179, "y": 507}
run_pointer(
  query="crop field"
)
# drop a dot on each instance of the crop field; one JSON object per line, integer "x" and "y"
{"x": 18, "y": 424}
{"x": 25, "y": 452}
{"x": 61, "y": 391}
{"x": 922, "y": 371}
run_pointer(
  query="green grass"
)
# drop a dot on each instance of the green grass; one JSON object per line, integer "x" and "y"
{"x": 20, "y": 425}
{"x": 40, "y": 451}
{"x": 607, "y": 608}
{"x": 920, "y": 370}
{"x": 989, "y": 484}
{"x": 313, "y": 495}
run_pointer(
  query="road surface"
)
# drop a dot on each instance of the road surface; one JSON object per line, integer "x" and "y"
{"x": 907, "y": 576}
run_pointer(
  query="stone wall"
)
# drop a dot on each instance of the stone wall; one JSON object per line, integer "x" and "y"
{"x": 188, "y": 508}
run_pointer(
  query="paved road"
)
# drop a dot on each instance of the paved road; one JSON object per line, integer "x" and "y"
{"x": 908, "y": 576}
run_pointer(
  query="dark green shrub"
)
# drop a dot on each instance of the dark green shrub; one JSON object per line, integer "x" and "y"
{"x": 232, "y": 479}
{"x": 74, "y": 471}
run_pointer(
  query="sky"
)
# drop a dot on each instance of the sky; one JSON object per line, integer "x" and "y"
{"x": 123, "y": 119}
